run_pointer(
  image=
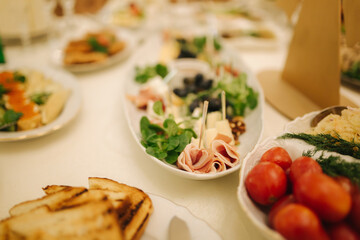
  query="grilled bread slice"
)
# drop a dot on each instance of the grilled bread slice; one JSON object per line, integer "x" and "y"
{"x": 53, "y": 201}
{"x": 119, "y": 200}
{"x": 134, "y": 221}
{"x": 92, "y": 220}
{"x": 107, "y": 210}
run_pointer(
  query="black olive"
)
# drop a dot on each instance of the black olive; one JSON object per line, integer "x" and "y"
{"x": 207, "y": 84}
{"x": 188, "y": 81}
{"x": 181, "y": 40}
{"x": 194, "y": 104}
{"x": 214, "y": 104}
{"x": 191, "y": 88}
{"x": 186, "y": 54}
{"x": 199, "y": 78}
{"x": 180, "y": 92}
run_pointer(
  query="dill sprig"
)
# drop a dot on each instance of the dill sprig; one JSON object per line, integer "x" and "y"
{"x": 336, "y": 166}
{"x": 328, "y": 143}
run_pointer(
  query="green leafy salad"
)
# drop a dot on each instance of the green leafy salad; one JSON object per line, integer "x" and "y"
{"x": 143, "y": 74}
{"x": 164, "y": 142}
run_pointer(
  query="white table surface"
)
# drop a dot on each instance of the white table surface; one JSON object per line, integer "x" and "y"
{"x": 99, "y": 143}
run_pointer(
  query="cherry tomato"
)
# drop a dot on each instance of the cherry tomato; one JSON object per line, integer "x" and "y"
{"x": 303, "y": 165}
{"x": 280, "y": 204}
{"x": 346, "y": 184}
{"x": 103, "y": 40}
{"x": 354, "y": 215}
{"x": 266, "y": 183}
{"x": 279, "y": 156}
{"x": 297, "y": 222}
{"x": 342, "y": 231}
{"x": 323, "y": 195}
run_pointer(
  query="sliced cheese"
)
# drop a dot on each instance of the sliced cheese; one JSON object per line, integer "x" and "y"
{"x": 212, "y": 118}
{"x": 223, "y": 127}
{"x": 210, "y": 135}
{"x": 54, "y": 105}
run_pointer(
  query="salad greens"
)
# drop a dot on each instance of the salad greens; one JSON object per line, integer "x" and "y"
{"x": 238, "y": 94}
{"x": 3, "y": 90}
{"x": 40, "y": 98}
{"x": 8, "y": 119}
{"x": 19, "y": 77}
{"x": 158, "y": 108}
{"x": 143, "y": 74}
{"x": 96, "y": 46}
{"x": 196, "y": 46}
{"x": 164, "y": 142}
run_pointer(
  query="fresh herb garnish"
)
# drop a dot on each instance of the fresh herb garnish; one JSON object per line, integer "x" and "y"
{"x": 40, "y": 98}
{"x": 167, "y": 142}
{"x": 328, "y": 143}
{"x": 9, "y": 119}
{"x": 158, "y": 108}
{"x": 336, "y": 166}
{"x": 96, "y": 46}
{"x": 3, "y": 90}
{"x": 199, "y": 43}
{"x": 143, "y": 74}
{"x": 19, "y": 77}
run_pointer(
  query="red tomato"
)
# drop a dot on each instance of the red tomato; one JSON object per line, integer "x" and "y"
{"x": 303, "y": 165}
{"x": 103, "y": 40}
{"x": 266, "y": 183}
{"x": 297, "y": 222}
{"x": 279, "y": 156}
{"x": 346, "y": 184}
{"x": 354, "y": 215}
{"x": 280, "y": 204}
{"x": 342, "y": 231}
{"x": 323, "y": 195}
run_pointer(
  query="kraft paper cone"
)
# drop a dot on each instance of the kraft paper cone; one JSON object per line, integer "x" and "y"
{"x": 351, "y": 9}
{"x": 288, "y": 6}
{"x": 310, "y": 79}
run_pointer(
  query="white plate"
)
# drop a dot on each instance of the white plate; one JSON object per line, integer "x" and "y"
{"x": 164, "y": 211}
{"x": 58, "y": 56}
{"x": 253, "y": 119}
{"x": 70, "y": 110}
{"x": 295, "y": 148}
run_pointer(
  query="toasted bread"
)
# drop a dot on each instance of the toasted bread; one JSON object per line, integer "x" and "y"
{"x": 49, "y": 189}
{"x": 53, "y": 201}
{"x": 88, "y": 221}
{"x": 107, "y": 210}
{"x": 136, "y": 217}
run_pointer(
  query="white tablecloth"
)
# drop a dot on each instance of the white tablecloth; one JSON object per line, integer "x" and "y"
{"x": 99, "y": 143}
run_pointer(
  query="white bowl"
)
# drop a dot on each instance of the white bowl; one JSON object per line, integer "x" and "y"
{"x": 253, "y": 119}
{"x": 295, "y": 148}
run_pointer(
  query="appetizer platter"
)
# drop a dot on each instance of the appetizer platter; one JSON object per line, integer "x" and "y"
{"x": 315, "y": 176}
{"x": 35, "y": 101}
{"x": 128, "y": 14}
{"x": 175, "y": 116}
{"x": 92, "y": 50}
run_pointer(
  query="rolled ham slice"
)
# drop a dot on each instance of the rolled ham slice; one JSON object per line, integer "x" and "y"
{"x": 199, "y": 160}
{"x": 225, "y": 152}
{"x": 144, "y": 96}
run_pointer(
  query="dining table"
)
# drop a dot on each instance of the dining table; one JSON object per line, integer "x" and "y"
{"x": 97, "y": 142}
